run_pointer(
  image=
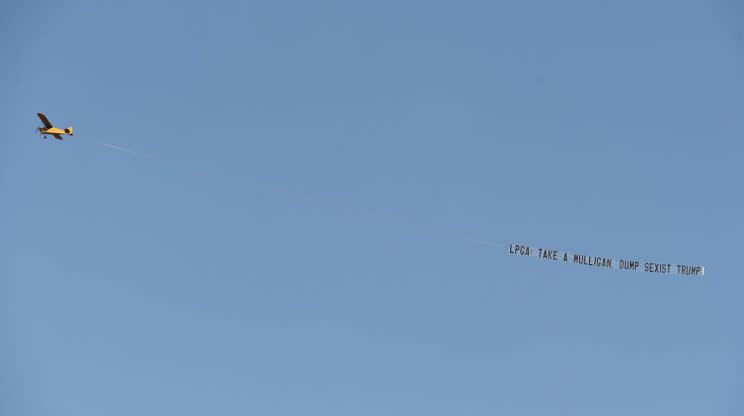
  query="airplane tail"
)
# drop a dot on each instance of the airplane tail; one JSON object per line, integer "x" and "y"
{"x": 69, "y": 131}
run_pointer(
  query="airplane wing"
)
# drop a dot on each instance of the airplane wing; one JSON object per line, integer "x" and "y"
{"x": 57, "y": 136}
{"x": 44, "y": 120}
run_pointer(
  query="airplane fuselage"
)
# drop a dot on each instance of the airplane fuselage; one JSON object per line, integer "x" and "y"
{"x": 55, "y": 130}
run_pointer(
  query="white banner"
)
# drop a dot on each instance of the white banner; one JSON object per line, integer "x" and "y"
{"x": 559, "y": 256}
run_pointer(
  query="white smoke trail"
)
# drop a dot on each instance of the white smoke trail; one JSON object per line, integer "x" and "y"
{"x": 111, "y": 146}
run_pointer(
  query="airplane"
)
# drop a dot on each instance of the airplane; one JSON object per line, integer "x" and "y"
{"x": 49, "y": 129}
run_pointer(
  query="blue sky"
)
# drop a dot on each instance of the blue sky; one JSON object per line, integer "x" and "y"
{"x": 296, "y": 224}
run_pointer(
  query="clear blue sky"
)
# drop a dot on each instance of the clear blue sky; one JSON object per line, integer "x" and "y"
{"x": 294, "y": 228}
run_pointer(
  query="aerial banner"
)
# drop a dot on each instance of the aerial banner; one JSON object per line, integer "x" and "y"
{"x": 592, "y": 260}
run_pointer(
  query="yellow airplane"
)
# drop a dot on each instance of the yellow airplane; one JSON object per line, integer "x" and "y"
{"x": 49, "y": 129}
